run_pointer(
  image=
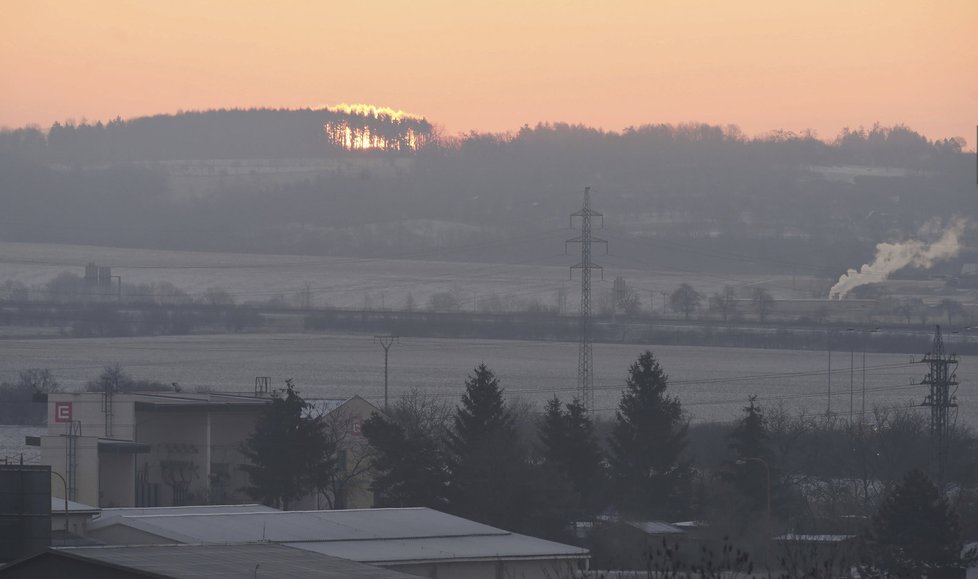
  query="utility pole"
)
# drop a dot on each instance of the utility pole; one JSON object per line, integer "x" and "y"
{"x": 828, "y": 406}
{"x": 941, "y": 377}
{"x": 386, "y": 341}
{"x": 585, "y": 359}
{"x": 852, "y": 376}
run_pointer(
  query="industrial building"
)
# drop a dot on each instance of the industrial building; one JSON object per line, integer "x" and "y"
{"x": 191, "y": 562}
{"x": 418, "y": 541}
{"x": 164, "y": 449}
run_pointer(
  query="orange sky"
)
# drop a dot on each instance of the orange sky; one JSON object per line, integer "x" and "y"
{"x": 482, "y": 65}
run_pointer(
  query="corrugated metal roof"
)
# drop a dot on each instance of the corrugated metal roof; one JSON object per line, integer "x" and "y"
{"x": 391, "y": 551}
{"x": 176, "y": 401}
{"x": 656, "y": 527}
{"x": 58, "y": 506}
{"x": 359, "y": 534}
{"x": 112, "y": 513}
{"x": 230, "y": 561}
{"x": 797, "y": 538}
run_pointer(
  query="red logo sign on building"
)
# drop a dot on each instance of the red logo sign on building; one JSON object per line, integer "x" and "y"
{"x": 62, "y": 411}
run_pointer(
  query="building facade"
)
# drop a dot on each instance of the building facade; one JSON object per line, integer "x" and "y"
{"x": 166, "y": 449}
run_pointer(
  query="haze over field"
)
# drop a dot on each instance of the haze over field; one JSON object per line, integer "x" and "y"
{"x": 712, "y": 383}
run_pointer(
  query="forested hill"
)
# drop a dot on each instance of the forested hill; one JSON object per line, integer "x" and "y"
{"x": 708, "y": 189}
{"x": 222, "y": 134}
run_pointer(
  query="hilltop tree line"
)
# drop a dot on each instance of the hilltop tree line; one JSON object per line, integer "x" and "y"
{"x": 218, "y": 134}
{"x": 718, "y": 192}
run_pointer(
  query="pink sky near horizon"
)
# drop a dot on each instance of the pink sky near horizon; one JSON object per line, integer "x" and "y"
{"x": 497, "y": 65}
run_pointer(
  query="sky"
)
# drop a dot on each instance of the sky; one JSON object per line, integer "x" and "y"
{"x": 495, "y": 66}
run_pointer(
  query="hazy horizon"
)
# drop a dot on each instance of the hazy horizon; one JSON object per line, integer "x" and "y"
{"x": 762, "y": 65}
{"x": 828, "y": 138}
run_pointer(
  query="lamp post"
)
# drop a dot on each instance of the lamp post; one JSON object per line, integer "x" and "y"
{"x": 65, "y": 483}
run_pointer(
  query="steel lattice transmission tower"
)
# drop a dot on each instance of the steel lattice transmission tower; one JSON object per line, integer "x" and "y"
{"x": 941, "y": 399}
{"x": 585, "y": 360}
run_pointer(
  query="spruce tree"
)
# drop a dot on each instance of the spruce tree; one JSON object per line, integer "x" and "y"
{"x": 571, "y": 448}
{"x": 291, "y": 454}
{"x": 647, "y": 443}
{"x": 916, "y": 533}
{"x": 486, "y": 461}
{"x": 408, "y": 464}
{"x": 552, "y": 431}
{"x": 750, "y": 471}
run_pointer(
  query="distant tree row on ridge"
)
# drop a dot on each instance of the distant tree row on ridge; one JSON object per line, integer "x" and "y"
{"x": 219, "y": 134}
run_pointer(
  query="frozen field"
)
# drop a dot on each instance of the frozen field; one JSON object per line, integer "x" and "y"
{"x": 712, "y": 383}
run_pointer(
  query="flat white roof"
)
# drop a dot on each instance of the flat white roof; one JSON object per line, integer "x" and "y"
{"x": 800, "y": 538}
{"x": 58, "y": 507}
{"x": 228, "y": 562}
{"x": 113, "y": 513}
{"x": 364, "y": 535}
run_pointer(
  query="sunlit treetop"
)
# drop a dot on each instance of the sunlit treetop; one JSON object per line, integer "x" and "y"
{"x": 361, "y": 127}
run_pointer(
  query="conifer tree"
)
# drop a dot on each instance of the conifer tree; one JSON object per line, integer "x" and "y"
{"x": 291, "y": 454}
{"x": 916, "y": 533}
{"x": 408, "y": 464}
{"x": 571, "y": 448}
{"x": 486, "y": 461}
{"x": 750, "y": 471}
{"x": 651, "y": 478}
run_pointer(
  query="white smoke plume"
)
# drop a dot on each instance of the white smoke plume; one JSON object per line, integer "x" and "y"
{"x": 891, "y": 257}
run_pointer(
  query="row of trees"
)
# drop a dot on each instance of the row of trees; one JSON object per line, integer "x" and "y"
{"x": 483, "y": 460}
{"x": 476, "y": 461}
{"x": 686, "y": 301}
{"x": 221, "y": 134}
{"x": 274, "y": 133}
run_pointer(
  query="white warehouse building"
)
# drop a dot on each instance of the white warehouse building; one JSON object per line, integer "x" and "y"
{"x": 417, "y": 541}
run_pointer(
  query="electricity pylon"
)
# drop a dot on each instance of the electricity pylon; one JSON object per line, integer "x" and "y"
{"x": 941, "y": 378}
{"x": 585, "y": 360}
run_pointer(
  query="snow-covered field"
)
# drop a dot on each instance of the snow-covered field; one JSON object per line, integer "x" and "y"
{"x": 712, "y": 383}
{"x": 368, "y": 282}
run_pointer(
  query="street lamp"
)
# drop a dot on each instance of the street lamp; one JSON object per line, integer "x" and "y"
{"x": 65, "y": 483}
